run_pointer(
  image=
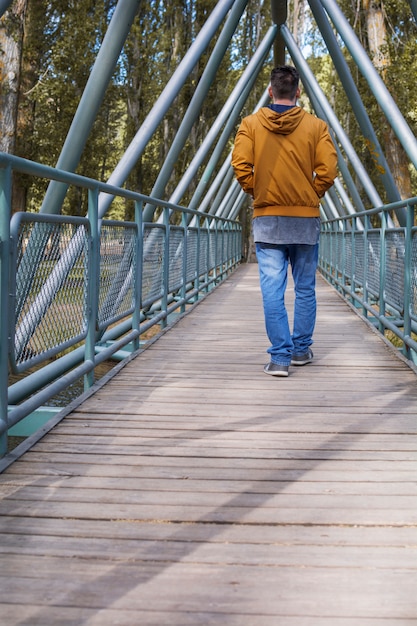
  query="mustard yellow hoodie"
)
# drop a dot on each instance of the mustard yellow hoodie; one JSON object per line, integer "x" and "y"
{"x": 285, "y": 161}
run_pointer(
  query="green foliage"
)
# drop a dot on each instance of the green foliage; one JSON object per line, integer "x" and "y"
{"x": 62, "y": 38}
{"x": 56, "y": 72}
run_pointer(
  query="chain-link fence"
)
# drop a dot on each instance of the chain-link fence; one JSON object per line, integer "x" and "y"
{"x": 376, "y": 269}
{"x": 57, "y": 285}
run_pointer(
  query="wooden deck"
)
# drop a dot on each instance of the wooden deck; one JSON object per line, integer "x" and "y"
{"x": 192, "y": 489}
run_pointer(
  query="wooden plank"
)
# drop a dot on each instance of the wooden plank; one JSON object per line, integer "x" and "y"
{"x": 213, "y": 450}
{"x": 121, "y": 431}
{"x": 205, "y": 552}
{"x": 207, "y": 444}
{"x": 163, "y": 483}
{"x": 185, "y": 469}
{"x": 379, "y": 536}
{"x": 212, "y": 499}
{"x": 38, "y": 615}
{"x": 230, "y": 513}
{"x": 193, "y": 489}
{"x": 193, "y": 463}
{"x": 274, "y": 591}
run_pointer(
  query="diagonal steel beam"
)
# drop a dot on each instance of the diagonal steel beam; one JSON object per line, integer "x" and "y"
{"x": 354, "y": 97}
{"x": 324, "y": 110}
{"x": 375, "y": 82}
{"x": 91, "y": 100}
{"x": 4, "y": 5}
{"x": 413, "y": 5}
{"x": 195, "y": 105}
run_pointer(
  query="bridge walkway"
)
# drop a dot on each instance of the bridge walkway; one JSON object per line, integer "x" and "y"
{"x": 191, "y": 489}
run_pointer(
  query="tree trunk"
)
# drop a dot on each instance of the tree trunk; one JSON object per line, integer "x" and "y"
{"x": 11, "y": 37}
{"x": 378, "y": 48}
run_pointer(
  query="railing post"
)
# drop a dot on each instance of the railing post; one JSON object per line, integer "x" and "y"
{"x": 352, "y": 261}
{"x": 367, "y": 224}
{"x": 208, "y": 254}
{"x": 197, "y": 260}
{"x": 138, "y": 278}
{"x": 5, "y": 192}
{"x": 407, "y": 279}
{"x": 330, "y": 262}
{"x": 228, "y": 248}
{"x": 382, "y": 269}
{"x": 184, "y": 223}
{"x": 217, "y": 270}
{"x": 235, "y": 248}
{"x": 165, "y": 267}
{"x": 220, "y": 261}
{"x": 344, "y": 268}
{"x": 93, "y": 284}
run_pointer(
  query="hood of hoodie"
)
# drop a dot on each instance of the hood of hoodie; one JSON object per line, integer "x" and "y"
{"x": 280, "y": 123}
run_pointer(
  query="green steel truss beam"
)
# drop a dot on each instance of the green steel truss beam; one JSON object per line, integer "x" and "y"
{"x": 162, "y": 104}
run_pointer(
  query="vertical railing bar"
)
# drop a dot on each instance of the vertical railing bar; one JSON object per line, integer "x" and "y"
{"x": 407, "y": 278}
{"x": 183, "y": 290}
{"x": 235, "y": 245}
{"x": 93, "y": 286}
{"x": 367, "y": 226}
{"x": 5, "y": 314}
{"x": 229, "y": 248}
{"x": 197, "y": 259}
{"x": 332, "y": 268}
{"x": 337, "y": 254}
{"x": 352, "y": 261}
{"x": 344, "y": 257}
{"x": 216, "y": 256}
{"x": 230, "y": 245}
{"x": 226, "y": 256}
{"x": 138, "y": 279}
{"x": 226, "y": 248}
{"x": 220, "y": 250}
{"x": 165, "y": 268}
{"x": 382, "y": 269}
{"x": 208, "y": 254}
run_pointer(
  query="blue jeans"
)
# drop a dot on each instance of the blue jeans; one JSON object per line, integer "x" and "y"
{"x": 273, "y": 269}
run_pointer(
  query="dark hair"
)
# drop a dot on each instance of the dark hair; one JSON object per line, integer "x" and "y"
{"x": 284, "y": 82}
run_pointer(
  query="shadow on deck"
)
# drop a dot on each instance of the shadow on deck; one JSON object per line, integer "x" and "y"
{"x": 192, "y": 489}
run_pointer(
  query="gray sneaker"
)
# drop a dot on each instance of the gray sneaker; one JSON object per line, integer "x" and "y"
{"x": 276, "y": 370}
{"x": 302, "y": 359}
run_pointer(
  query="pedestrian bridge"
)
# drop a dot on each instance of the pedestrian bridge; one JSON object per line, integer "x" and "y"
{"x": 184, "y": 486}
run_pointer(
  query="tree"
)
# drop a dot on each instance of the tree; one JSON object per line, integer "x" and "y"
{"x": 11, "y": 39}
{"x": 379, "y": 50}
{"x": 32, "y": 73}
{"x": 387, "y": 32}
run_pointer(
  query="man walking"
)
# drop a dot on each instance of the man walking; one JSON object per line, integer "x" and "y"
{"x": 285, "y": 159}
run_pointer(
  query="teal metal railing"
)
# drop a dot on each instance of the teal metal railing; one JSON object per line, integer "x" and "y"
{"x": 76, "y": 291}
{"x": 374, "y": 266}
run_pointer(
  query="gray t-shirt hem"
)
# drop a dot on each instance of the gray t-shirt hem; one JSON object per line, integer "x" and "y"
{"x": 285, "y": 230}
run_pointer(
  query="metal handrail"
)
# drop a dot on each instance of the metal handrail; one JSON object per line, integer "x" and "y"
{"x": 104, "y": 273}
{"x": 374, "y": 266}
